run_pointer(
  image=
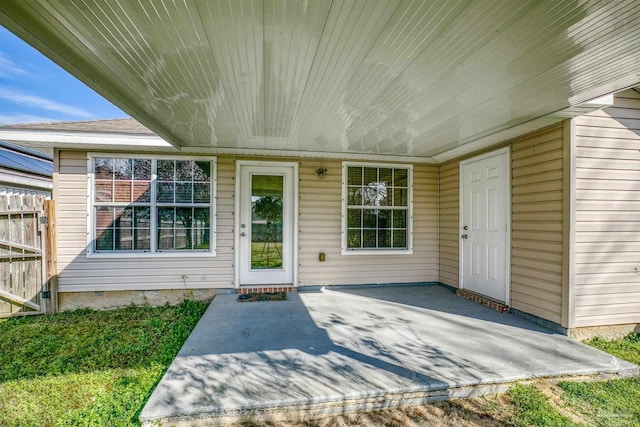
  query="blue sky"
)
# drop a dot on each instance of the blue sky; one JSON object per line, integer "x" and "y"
{"x": 33, "y": 89}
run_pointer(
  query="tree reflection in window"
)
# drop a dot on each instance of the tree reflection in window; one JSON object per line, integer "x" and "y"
{"x": 267, "y": 193}
{"x": 377, "y": 207}
{"x": 122, "y": 196}
{"x": 183, "y": 199}
{"x": 124, "y": 210}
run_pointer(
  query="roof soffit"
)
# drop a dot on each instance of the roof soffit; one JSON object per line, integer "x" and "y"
{"x": 392, "y": 78}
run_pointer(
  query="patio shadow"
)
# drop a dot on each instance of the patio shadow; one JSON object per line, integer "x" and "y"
{"x": 436, "y": 297}
{"x": 354, "y": 350}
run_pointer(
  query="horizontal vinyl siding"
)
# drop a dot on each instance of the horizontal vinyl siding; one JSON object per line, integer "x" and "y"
{"x": 77, "y": 272}
{"x": 449, "y": 216}
{"x": 320, "y": 213}
{"x": 320, "y": 209}
{"x": 607, "y": 233}
{"x": 536, "y": 224}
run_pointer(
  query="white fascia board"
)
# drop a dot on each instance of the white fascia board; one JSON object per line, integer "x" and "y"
{"x": 252, "y": 152}
{"x": 58, "y": 139}
{"x": 25, "y": 181}
{"x": 116, "y": 141}
{"x": 599, "y": 102}
{"x": 111, "y": 141}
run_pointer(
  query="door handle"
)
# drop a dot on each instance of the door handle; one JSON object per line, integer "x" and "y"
{"x": 464, "y": 236}
{"x": 243, "y": 234}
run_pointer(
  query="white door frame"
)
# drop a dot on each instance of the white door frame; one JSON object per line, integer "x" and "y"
{"x": 237, "y": 219}
{"x": 507, "y": 208}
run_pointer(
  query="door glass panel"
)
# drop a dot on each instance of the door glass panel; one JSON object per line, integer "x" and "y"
{"x": 266, "y": 221}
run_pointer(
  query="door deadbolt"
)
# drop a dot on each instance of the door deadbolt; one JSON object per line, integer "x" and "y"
{"x": 465, "y": 228}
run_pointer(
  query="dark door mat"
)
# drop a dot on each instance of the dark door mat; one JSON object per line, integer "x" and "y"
{"x": 264, "y": 296}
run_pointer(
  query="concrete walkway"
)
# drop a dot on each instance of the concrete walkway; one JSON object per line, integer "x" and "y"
{"x": 356, "y": 349}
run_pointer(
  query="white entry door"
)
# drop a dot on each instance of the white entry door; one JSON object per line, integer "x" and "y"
{"x": 266, "y": 223}
{"x": 484, "y": 225}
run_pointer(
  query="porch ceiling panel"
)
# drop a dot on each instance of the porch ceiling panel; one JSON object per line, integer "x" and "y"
{"x": 395, "y": 77}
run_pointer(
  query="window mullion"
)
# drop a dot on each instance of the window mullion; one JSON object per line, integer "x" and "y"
{"x": 175, "y": 226}
{"x": 153, "y": 214}
{"x": 189, "y": 208}
{"x": 391, "y": 230}
{"x": 385, "y": 235}
{"x": 193, "y": 223}
{"x": 113, "y": 228}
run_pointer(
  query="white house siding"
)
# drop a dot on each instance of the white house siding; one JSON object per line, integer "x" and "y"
{"x": 607, "y": 233}
{"x": 319, "y": 231}
{"x": 536, "y": 223}
{"x": 78, "y": 273}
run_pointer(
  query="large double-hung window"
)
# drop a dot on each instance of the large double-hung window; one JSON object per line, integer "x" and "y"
{"x": 152, "y": 205}
{"x": 377, "y": 208}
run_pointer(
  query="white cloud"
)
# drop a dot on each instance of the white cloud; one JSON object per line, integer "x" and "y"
{"x": 38, "y": 102}
{"x": 10, "y": 119}
{"x": 9, "y": 68}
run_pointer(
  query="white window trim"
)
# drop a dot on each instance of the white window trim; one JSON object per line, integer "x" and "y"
{"x": 147, "y": 255}
{"x": 374, "y": 251}
{"x": 237, "y": 220}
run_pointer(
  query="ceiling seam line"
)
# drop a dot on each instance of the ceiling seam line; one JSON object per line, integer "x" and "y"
{"x": 386, "y": 24}
{"x": 427, "y": 46}
{"x": 264, "y": 82}
{"x": 421, "y": 51}
{"x": 365, "y": 56}
{"x": 233, "y": 110}
{"x": 435, "y": 38}
{"x": 306, "y": 83}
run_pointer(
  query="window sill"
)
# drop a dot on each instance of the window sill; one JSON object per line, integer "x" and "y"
{"x": 366, "y": 252}
{"x": 147, "y": 255}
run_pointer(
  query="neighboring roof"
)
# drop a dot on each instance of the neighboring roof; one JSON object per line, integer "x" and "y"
{"x": 24, "y": 160}
{"x": 110, "y": 134}
{"x": 126, "y": 126}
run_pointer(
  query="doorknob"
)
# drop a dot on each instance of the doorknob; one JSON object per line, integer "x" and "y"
{"x": 464, "y": 236}
{"x": 243, "y": 234}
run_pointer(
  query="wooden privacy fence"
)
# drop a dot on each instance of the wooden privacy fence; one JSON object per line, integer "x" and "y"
{"x": 27, "y": 248}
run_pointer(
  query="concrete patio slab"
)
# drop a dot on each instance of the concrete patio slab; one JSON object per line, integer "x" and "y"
{"x": 340, "y": 350}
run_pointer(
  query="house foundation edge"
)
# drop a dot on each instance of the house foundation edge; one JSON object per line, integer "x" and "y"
{"x": 105, "y": 300}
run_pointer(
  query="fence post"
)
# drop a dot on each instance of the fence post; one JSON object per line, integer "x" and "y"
{"x": 51, "y": 254}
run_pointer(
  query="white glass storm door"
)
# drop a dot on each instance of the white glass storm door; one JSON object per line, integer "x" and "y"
{"x": 266, "y": 223}
{"x": 484, "y": 225}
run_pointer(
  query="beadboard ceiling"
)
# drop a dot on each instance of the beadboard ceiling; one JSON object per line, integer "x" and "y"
{"x": 430, "y": 79}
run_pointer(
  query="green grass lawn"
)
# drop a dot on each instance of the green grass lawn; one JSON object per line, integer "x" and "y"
{"x": 614, "y": 402}
{"x": 605, "y": 403}
{"x": 88, "y": 368}
{"x": 531, "y": 408}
